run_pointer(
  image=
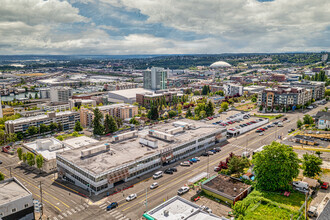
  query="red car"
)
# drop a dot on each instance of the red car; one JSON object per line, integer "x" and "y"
{"x": 229, "y": 122}
{"x": 325, "y": 185}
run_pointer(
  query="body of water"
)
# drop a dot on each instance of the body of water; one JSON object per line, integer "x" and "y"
{"x": 12, "y": 96}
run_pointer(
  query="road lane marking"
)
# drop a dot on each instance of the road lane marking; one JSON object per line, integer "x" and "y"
{"x": 214, "y": 161}
{"x": 38, "y": 188}
{"x": 78, "y": 209}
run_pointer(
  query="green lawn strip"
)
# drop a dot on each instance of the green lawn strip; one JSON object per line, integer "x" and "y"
{"x": 268, "y": 211}
{"x": 270, "y": 117}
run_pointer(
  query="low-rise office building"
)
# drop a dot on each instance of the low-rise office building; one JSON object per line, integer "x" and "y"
{"x": 126, "y": 95}
{"x": 67, "y": 119}
{"x": 100, "y": 166}
{"x": 81, "y": 102}
{"x": 322, "y": 120}
{"x": 284, "y": 96}
{"x": 54, "y": 106}
{"x": 16, "y": 201}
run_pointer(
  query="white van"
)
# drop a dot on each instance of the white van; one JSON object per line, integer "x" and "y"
{"x": 158, "y": 175}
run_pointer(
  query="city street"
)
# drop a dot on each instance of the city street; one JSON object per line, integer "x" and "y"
{"x": 63, "y": 202}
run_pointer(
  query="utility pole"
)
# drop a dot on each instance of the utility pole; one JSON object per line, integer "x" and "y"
{"x": 10, "y": 171}
{"x": 42, "y": 208}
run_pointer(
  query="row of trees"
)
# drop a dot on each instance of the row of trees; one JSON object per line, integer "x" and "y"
{"x": 30, "y": 158}
{"x": 307, "y": 120}
{"x": 277, "y": 165}
{"x": 109, "y": 125}
{"x": 32, "y": 130}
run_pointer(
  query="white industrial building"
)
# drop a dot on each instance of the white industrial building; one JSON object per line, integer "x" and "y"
{"x": 103, "y": 165}
{"x": 232, "y": 89}
{"x": 126, "y": 95}
{"x": 178, "y": 208}
{"x": 16, "y": 201}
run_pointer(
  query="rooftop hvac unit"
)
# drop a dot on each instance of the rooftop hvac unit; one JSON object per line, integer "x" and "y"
{"x": 176, "y": 130}
{"x": 94, "y": 150}
{"x": 124, "y": 136}
{"x": 161, "y": 135}
{"x": 150, "y": 143}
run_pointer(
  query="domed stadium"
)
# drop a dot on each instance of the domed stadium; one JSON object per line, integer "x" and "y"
{"x": 220, "y": 64}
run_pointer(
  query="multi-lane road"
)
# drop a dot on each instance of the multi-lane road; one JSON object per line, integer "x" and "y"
{"x": 63, "y": 202}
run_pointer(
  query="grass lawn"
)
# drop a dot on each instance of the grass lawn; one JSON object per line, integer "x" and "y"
{"x": 270, "y": 117}
{"x": 247, "y": 107}
{"x": 269, "y": 205}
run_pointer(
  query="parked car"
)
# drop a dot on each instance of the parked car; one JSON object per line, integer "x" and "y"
{"x": 262, "y": 133}
{"x": 174, "y": 169}
{"x": 210, "y": 152}
{"x": 0, "y": 162}
{"x": 194, "y": 160}
{"x": 197, "y": 158}
{"x": 217, "y": 149}
{"x": 185, "y": 163}
{"x": 216, "y": 169}
{"x": 168, "y": 171}
{"x": 183, "y": 190}
{"x": 206, "y": 209}
{"x": 158, "y": 175}
{"x": 205, "y": 154}
{"x": 280, "y": 125}
{"x": 131, "y": 197}
{"x": 154, "y": 186}
{"x": 246, "y": 154}
{"x": 112, "y": 206}
{"x": 325, "y": 185}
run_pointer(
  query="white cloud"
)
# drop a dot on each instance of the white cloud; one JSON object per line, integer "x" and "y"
{"x": 34, "y": 12}
{"x": 279, "y": 23}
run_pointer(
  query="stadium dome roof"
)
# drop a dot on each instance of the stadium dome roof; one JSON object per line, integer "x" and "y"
{"x": 220, "y": 64}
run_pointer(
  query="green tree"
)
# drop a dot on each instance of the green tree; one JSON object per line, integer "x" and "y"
{"x": 224, "y": 106}
{"x": 311, "y": 165}
{"x": 254, "y": 99}
{"x": 24, "y": 157}
{"x": 43, "y": 128}
{"x": 53, "y": 126}
{"x": 75, "y": 134}
{"x": 318, "y": 153}
{"x": 308, "y": 119}
{"x": 119, "y": 122}
{"x": 299, "y": 123}
{"x": 275, "y": 167}
{"x": 19, "y": 153}
{"x": 40, "y": 161}
{"x": 59, "y": 126}
{"x": 202, "y": 114}
{"x": 98, "y": 128}
{"x": 153, "y": 113}
{"x": 32, "y": 130}
{"x": 189, "y": 114}
{"x": 60, "y": 137}
{"x": 196, "y": 92}
{"x": 2, "y": 176}
{"x": 260, "y": 108}
{"x": 110, "y": 124}
{"x": 134, "y": 121}
{"x": 77, "y": 126}
{"x": 172, "y": 113}
{"x": 236, "y": 164}
{"x": 30, "y": 159}
{"x": 209, "y": 108}
{"x": 36, "y": 96}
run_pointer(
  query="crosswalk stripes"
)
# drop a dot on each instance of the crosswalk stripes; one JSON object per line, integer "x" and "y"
{"x": 86, "y": 205}
{"x": 81, "y": 207}
{"x": 69, "y": 212}
{"x": 55, "y": 218}
{"x": 122, "y": 218}
{"x": 78, "y": 209}
{"x": 72, "y": 210}
{"x": 241, "y": 147}
{"x": 64, "y": 214}
{"x": 60, "y": 216}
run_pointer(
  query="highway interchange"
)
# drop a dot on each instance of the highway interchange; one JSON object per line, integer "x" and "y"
{"x": 64, "y": 201}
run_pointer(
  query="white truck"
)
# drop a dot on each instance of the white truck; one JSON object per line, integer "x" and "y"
{"x": 300, "y": 185}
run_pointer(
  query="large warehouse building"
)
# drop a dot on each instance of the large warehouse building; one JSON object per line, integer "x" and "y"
{"x": 103, "y": 165}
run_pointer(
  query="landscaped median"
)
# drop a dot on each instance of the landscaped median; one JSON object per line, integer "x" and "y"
{"x": 269, "y": 205}
{"x": 270, "y": 117}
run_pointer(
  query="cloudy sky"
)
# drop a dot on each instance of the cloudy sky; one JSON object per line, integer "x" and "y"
{"x": 163, "y": 26}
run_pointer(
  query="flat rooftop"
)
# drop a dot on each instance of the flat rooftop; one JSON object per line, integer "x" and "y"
{"x": 47, "y": 147}
{"x": 180, "y": 209}
{"x": 130, "y": 150}
{"x": 78, "y": 142}
{"x": 129, "y": 93}
{"x": 227, "y": 185}
{"x": 11, "y": 190}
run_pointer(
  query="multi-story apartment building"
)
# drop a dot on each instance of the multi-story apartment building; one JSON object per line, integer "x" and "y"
{"x": 318, "y": 88}
{"x": 284, "y": 96}
{"x": 67, "y": 119}
{"x": 232, "y": 89}
{"x": 165, "y": 96}
{"x": 101, "y": 166}
{"x": 44, "y": 93}
{"x": 16, "y": 201}
{"x": 155, "y": 78}
{"x": 60, "y": 94}
{"x": 122, "y": 111}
